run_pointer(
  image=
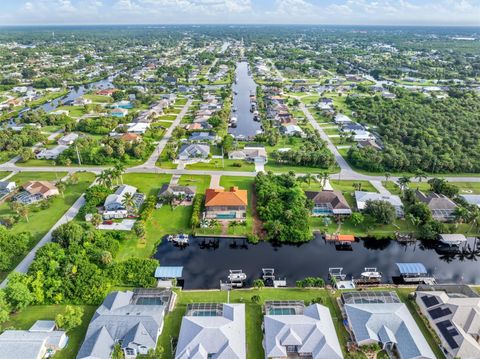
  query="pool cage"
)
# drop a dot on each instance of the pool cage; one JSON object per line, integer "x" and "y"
{"x": 285, "y": 307}
{"x": 368, "y": 297}
{"x": 204, "y": 310}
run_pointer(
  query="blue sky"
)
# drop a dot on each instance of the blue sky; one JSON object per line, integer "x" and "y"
{"x": 377, "y": 12}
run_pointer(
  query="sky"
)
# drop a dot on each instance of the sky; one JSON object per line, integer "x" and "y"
{"x": 356, "y": 12}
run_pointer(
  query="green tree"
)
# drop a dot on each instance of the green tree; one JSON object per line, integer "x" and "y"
{"x": 67, "y": 234}
{"x": 17, "y": 293}
{"x": 381, "y": 211}
{"x": 258, "y": 283}
{"x": 357, "y": 218}
{"x": 4, "y": 307}
{"x": 70, "y": 319}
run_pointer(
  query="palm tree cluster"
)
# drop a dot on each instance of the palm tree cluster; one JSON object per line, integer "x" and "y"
{"x": 111, "y": 175}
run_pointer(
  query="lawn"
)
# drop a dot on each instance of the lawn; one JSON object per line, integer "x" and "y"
{"x": 148, "y": 183}
{"x": 217, "y": 164}
{"x": 282, "y": 168}
{"x": 73, "y": 111}
{"x": 98, "y": 98}
{"x": 201, "y": 182}
{"x": 254, "y": 316}
{"x": 40, "y": 222}
{"x": 26, "y": 318}
{"x": 464, "y": 187}
{"x": 22, "y": 177}
{"x": 3, "y": 174}
{"x": 347, "y": 189}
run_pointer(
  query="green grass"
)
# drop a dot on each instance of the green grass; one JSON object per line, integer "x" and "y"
{"x": 282, "y": 168}
{"x": 254, "y": 316}
{"x": 217, "y": 164}
{"x": 3, "y": 174}
{"x": 392, "y": 187}
{"x": 464, "y": 187}
{"x": 201, "y": 182}
{"x": 26, "y": 318}
{"x": 40, "y": 222}
{"x": 48, "y": 97}
{"x": 73, "y": 111}
{"x": 98, "y": 98}
{"x": 22, "y": 177}
{"x": 148, "y": 183}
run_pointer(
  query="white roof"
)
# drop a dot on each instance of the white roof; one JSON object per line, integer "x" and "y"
{"x": 388, "y": 323}
{"x": 362, "y": 197}
{"x": 472, "y": 198}
{"x": 460, "y": 313}
{"x": 312, "y": 332}
{"x": 340, "y": 117}
{"x": 119, "y": 194}
{"x": 222, "y": 335}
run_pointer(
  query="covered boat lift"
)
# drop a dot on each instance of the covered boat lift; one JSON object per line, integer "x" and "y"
{"x": 414, "y": 273}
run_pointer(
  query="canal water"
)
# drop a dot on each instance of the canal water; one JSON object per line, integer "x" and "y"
{"x": 205, "y": 267}
{"x": 244, "y": 86}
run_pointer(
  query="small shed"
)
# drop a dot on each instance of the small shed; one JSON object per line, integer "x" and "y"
{"x": 165, "y": 275}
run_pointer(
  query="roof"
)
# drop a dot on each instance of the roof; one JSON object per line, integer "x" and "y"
{"x": 194, "y": 150}
{"x": 119, "y": 195}
{"x": 220, "y": 197}
{"x": 411, "y": 268}
{"x": 42, "y": 187}
{"x": 452, "y": 238}
{"x": 436, "y": 201}
{"x": 334, "y": 198}
{"x": 130, "y": 137}
{"x": 167, "y": 188}
{"x": 472, "y": 198}
{"x": 345, "y": 237}
{"x": 312, "y": 332}
{"x": 210, "y": 332}
{"x": 124, "y": 316}
{"x": 169, "y": 272}
{"x": 454, "y": 313}
{"x": 388, "y": 323}
{"x": 362, "y": 197}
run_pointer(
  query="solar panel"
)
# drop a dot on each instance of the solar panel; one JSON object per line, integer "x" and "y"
{"x": 429, "y": 300}
{"x": 439, "y": 312}
{"x": 448, "y": 332}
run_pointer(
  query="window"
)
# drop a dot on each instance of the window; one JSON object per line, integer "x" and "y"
{"x": 291, "y": 348}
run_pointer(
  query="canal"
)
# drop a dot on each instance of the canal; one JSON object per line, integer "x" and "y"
{"x": 205, "y": 267}
{"x": 243, "y": 87}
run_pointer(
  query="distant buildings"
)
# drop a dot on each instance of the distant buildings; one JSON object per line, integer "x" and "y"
{"x": 293, "y": 331}
{"x": 380, "y": 318}
{"x": 133, "y": 320}
{"x": 250, "y": 154}
{"x": 40, "y": 341}
{"x": 212, "y": 330}
{"x": 226, "y": 205}
{"x": 453, "y": 312}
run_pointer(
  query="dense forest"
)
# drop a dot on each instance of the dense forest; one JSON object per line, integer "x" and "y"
{"x": 420, "y": 132}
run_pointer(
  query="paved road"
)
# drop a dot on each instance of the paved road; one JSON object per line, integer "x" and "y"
{"x": 150, "y": 163}
{"x": 23, "y": 266}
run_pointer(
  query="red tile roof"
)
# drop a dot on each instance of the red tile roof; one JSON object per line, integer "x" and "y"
{"x": 219, "y": 197}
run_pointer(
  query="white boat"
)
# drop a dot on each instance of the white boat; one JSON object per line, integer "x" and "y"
{"x": 371, "y": 273}
{"x": 236, "y": 275}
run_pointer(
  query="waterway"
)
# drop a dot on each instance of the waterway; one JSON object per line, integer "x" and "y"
{"x": 205, "y": 267}
{"x": 242, "y": 88}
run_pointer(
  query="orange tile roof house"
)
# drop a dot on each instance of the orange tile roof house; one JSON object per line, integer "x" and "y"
{"x": 226, "y": 205}
{"x": 44, "y": 188}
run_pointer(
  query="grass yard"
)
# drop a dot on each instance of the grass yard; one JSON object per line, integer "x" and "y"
{"x": 73, "y": 111}
{"x": 216, "y": 164}
{"x": 464, "y": 187}
{"x": 98, "y": 98}
{"x": 4, "y": 174}
{"x": 282, "y": 168}
{"x": 254, "y": 316}
{"x": 392, "y": 187}
{"x": 26, "y": 318}
{"x": 22, "y": 177}
{"x": 148, "y": 183}
{"x": 40, "y": 222}
{"x": 201, "y": 182}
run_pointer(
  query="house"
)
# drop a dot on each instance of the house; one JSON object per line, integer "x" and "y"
{"x": 442, "y": 207}
{"x": 202, "y": 136}
{"x": 35, "y": 191}
{"x": 473, "y": 199}
{"x": 6, "y": 187}
{"x": 138, "y": 128}
{"x": 340, "y": 118}
{"x": 67, "y": 140}
{"x": 352, "y": 127}
{"x": 381, "y": 318}
{"x": 80, "y": 101}
{"x": 453, "y": 312}
{"x": 119, "y": 112}
{"x": 35, "y": 343}
{"x": 123, "y": 104}
{"x": 194, "y": 151}
{"x": 114, "y": 206}
{"x": 198, "y": 126}
{"x": 185, "y": 192}
{"x": 130, "y": 137}
{"x": 106, "y": 92}
{"x": 292, "y": 130}
{"x": 133, "y": 319}
{"x": 250, "y": 154}
{"x": 362, "y": 198}
{"x": 362, "y": 136}
{"x": 51, "y": 153}
{"x": 293, "y": 331}
{"x": 371, "y": 143}
{"x": 212, "y": 330}
{"x": 226, "y": 205}
{"x": 328, "y": 203}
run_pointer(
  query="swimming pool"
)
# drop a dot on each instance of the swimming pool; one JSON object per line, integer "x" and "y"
{"x": 281, "y": 311}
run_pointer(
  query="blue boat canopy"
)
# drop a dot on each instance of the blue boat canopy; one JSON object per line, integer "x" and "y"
{"x": 169, "y": 272}
{"x": 411, "y": 268}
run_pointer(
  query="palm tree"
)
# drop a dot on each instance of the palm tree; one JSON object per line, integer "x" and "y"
{"x": 403, "y": 182}
{"x": 128, "y": 201}
{"x": 105, "y": 178}
{"x": 387, "y": 176}
{"x": 120, "y": 170}
{"x": 23, "y": 211}
{"x": 461, "y": 214}
{"x": 419, "y": 174}
{"x": 61, "y": 188}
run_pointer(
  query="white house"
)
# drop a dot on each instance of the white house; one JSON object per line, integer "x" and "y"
{"x": 114, "y": 203}
{"x": 212, "y": 330}
{"x": 341, "y": 118}
{"x": 69, "y": 139}
{"x": 362, "y": 198}
{"x": 293, "y": 331}
{"x": 51, "y": 153}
